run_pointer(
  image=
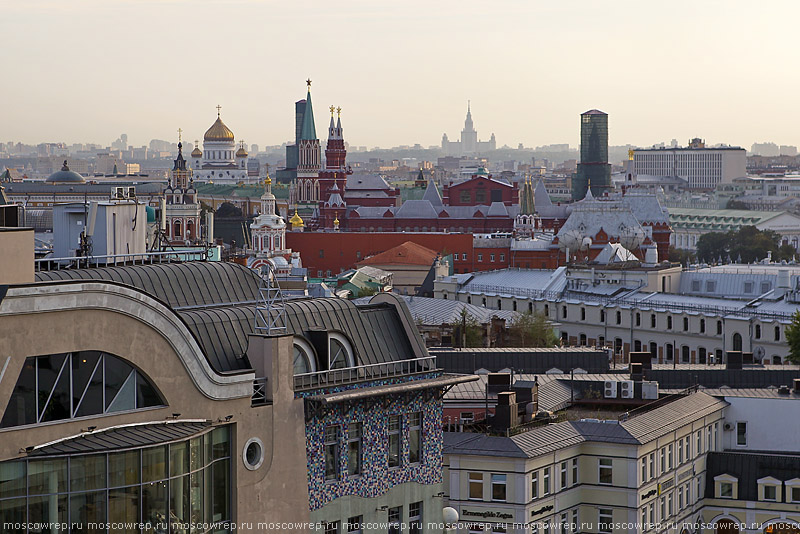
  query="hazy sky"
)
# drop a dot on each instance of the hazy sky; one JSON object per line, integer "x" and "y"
{"x": 88, "y": 70}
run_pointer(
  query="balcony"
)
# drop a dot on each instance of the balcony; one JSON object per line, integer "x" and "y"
{"x": 363, "y": 373}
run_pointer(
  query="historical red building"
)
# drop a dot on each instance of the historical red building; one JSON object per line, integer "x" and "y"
{"x": 480, "y": 190}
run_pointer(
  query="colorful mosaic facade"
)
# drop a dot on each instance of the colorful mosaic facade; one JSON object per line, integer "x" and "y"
{"x": 376, "y": 478}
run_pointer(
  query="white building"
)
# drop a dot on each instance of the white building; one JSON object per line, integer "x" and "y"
{"x": 703, "y": 168}
{"x": 688, "y": 224}
{"x": 220, "y": 161}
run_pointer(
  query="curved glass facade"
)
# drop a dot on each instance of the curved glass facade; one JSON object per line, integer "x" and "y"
{"x": 180, "y": 488}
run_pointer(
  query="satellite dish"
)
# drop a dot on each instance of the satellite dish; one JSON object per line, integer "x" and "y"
{"x": 758, "y": 352}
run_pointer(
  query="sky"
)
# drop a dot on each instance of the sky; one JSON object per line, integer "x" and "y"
{"x": 402, "y": 72}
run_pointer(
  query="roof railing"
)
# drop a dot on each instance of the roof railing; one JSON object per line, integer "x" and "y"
{"x": 105, "y": 260}
{"x": 362, "y": 373}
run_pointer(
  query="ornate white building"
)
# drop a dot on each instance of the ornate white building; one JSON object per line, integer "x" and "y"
{"x": 268, "y": 230}
{"x": 181, "y": 206}
{"x": 220, "y": 161}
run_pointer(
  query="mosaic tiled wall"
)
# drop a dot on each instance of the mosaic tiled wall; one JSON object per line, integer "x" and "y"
{"x": 376, "y": 477}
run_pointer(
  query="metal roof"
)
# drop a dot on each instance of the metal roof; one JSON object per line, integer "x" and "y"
{"x": 404, "y": 387}
{"x": 124, "y": 437}
{"x": 668, "y": 417}
{"x": 748, "y": 468}
{"x": 436, "y": 312}
{"x": 523, "y": 360}
{"x": 669, "y": 378}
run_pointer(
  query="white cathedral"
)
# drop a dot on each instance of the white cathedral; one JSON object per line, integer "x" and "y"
{"x": 220, "y": 161}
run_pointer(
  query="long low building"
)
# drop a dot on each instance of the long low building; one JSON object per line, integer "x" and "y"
{"x": 688, "y": 224}
{"x": 633, "y": 309}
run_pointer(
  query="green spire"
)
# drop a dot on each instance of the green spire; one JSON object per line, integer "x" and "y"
{"x": 526, "y": 198}
{"x": 308, "y": 132}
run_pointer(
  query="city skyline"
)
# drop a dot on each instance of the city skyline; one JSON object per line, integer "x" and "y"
{"x": 163, "y": 65}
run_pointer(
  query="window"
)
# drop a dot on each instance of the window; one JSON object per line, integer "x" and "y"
{"x": 669, "y": 456}
{"x": 605, "y": 520}
{"x": 652, "y": 463}
{"x": 498, "y": 487}
{"x": 355, "y": 525}
{"x": 331, "y": 452}
{"x": 770, "y": 493}
{"x": 644, "y": 469}
{"x": 726, "y": 490}
{"x": 546, "y": 481}
{"x": 476, "y": 486}
{"x": 680, "y": 453}
{"x": 604, "y": 468}
{"x": 777, "y": 333}
{"x": 547, "y": 310}
{"x": 415, "y": 517}
{"x": 535, "y": 485}
{"x": 652, "y": 320}
{"x": 491, "y": 257}
{"x": 669, "y": 322}
{"x": 794, "y": 494}
{"x": 669, "y": 504}
{"x": 662, "y": 507}
{"x": 602, "y": 316}
{"x": 395, "y": 517}
{"x": 464, "y": 256}
{"x": 502, "y": 257}
{"x": 758, "y": 331}
{"x": 638, "y": 319}
{"x": 303, "y": 359}
{"x": 687, "y": 446}
{"x": 748, "y": 287}
{"x": 644, "y": 518}
{"x": 583, "y": 314}
{"x": 63, "y": 386}
{"x": 353, "y": 449}
{"x": 563, "y": 475}
{"x": 619, "y": 317}
{"x": 414, "y": 437}
{"x": 711, "y": 286}
{"x": 680, "y": 498}
{"x": 765, "y": 287}
{"x": 699, "y": 445}
{"x": 394, "y": 441}
{"x": 466, "y": 196}
{"x": 685, "y": 324}
{"x": 480, "y": 196}
{"x": 321, "y": 253}
{"x": 480, "y": 257}
{"x": 719, "y": 328}
{"x": 564, "y": 312}
{"x": 340, "y": 355}
{"x": 708, "y": 438}
{"x": 574, "y": 471}
{"x": 702, "y": 326}
{"x": 663, "y": 460}
{"x": 332, "y": 527}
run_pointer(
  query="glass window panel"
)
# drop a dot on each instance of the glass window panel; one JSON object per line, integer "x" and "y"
{"x": 13, "y": 512}
{"x": 116, "y": 372}
{"x": 126, "y": 396}
{"x": 413, "y": 445}
{"x": 21, "y": 409}
{"x": 47, "y": 476}
{"x": 59, "y": 406}
{"x": 196, "y": 453}
{"x": 179, "y": 503}
{"x": 301, "y": 364}
{"x": 87, "y": 472}
{"x": 196, "y": 500}
{"x": 83, "y": 366}
{"x": 154, "y": 507}
{"x": 92, "y": 403}
{"x": 50, "y": 511}
{"x": 123, "y": 509}
{"x": 338, "y": 355}
{"x": 123, "y": 468}
{"x": 87, "y": 512}
{"x": 178, "y": 458}
{"x": 154, "y": 464}
{"x": 47, "y": 370}
{"x": 220, "y": 447}
{"x": 221, "y": 490}
{"x": 146, "y": 395}
{"x": 12, "y": 479}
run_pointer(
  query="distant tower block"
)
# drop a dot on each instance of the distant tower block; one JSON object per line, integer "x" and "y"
{"x": 593, "y": 168}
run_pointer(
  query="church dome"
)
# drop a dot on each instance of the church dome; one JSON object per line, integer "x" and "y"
{"x": 197, "y": 153}
{"x": 65, "y": 176}
{"x": 218, "y": 132}
{"x": 296, "y": 220}
{"x": 241, "y": 153}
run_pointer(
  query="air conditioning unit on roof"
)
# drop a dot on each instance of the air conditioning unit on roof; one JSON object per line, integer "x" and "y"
{"x": 610, "y": 390}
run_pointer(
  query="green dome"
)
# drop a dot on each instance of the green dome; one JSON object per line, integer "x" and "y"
{"x": 151, "y": 214}
{"x": 65, "y": 176}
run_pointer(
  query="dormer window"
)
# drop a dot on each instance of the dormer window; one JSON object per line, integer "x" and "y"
{"x": 340, "y": 352}
{"x": 769, "y": 489}
{"x": 304, "y": 361}
{"x": 726, "y": 486}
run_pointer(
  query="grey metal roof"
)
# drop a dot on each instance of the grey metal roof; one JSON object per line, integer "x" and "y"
{"x": 366, "y": 181}
{"x": 548, "y": 438}
{"x": 749, "y": 377}
{"x": 481, "y": 444}
{"x": 38, "y": 188}
{"x": 672, "y": 415}
{"x": 519, "y": 279}
{"x": 497, "y": 209}
{"x": 179, "y": 285}
{"x": 375, "y": 331}
{"x": 416, "y": 209}
{"x": 432, "y": 194}
{"x": 404, "y": 387}
{"x": 430, "y": 311}
{"x": 125, "y": 437}
{"x": 748, "y": 468}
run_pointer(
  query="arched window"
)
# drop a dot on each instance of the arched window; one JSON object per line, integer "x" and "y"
{"x": 304, "y": 360}
{"x": 77, "y": 384}
{"x": 737, "y": 341}
{"x": 340, "y": 353}
{"x": 177, "y": 230}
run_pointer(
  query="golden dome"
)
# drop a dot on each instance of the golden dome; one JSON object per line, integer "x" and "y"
{"x": 336, "y": 221}
{"x": 218, "y": 132}
{"x": 196, "y": 153}
{"x": 241, "y": 153}
{"x": 296, "y": 220}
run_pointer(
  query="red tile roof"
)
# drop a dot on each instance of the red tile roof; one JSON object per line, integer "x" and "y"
{"x": 408, "y": 253}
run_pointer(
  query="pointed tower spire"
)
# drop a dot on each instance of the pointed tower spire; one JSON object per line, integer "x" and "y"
{"x": 309, "y": 131}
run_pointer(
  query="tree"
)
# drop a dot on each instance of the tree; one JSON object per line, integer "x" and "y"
{"x": 747, "y": 245}
{"x": 793, "y": 339}
{"x": 680, "y": 255}
{"x": 467, "y": 331}
{"x": 712, "y": 246}
{"x": 531, "y": 330}
{"x": 226, "y": 209}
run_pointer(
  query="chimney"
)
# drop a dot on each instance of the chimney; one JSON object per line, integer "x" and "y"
{"x": 644, "y": 358}
{"x": 734, "y": 359}
{"x": 506, "y": 412}
{"x": 636, "y": 372}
